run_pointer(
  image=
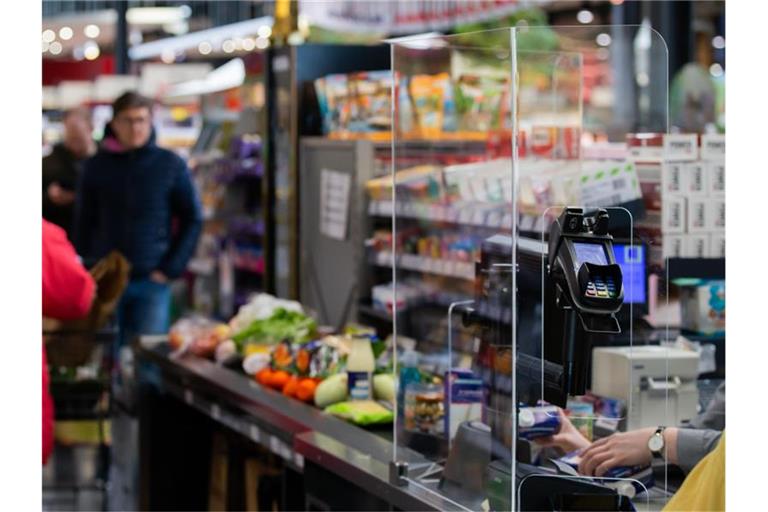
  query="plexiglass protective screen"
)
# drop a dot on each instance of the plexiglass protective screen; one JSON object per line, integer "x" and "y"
{"x": 531, "y": 294}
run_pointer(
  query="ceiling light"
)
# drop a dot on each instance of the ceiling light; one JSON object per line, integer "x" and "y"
{"x": 46, "y": 46}
{"x": 49, "y": 36}
{"x": 55, "y": 48}
{"x": 249, "y": 44}
{"x": 716, "y": 70}
{"x": 584, "y": 16}
{"x": 92, "y": 31}
{"x": 157, "y": 15}
{"x": 66, "y": 33}
{"x": 91, "y": 50}
{"x": 264, "y": 31}
{"x": 204, "y": 48}
{"x": 228, "y": 46}
{"x": 603, "y": 39}
{"x": 262, "y": 43}
{"x": 718, "y": 42}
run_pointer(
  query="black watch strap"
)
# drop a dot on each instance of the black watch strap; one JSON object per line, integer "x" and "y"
{"x": 659, "y": 454}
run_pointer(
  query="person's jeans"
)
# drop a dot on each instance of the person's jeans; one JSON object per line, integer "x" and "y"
{"x": 143, "y": 309}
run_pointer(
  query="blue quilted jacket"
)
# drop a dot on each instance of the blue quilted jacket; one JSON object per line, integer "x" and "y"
{"x": 140, "y": 202}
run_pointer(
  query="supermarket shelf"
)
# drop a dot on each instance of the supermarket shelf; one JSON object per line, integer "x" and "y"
{"x": 491, "y": 216}
{"x": 448, "y": 268}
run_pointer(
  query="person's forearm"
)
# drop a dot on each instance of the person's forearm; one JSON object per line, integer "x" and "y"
{"x": 670, "y": 445}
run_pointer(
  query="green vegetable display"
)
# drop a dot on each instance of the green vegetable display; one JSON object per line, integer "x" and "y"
{"x": 282, "y": 325}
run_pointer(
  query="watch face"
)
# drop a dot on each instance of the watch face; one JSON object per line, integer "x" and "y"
{"x": 656, "y": 443}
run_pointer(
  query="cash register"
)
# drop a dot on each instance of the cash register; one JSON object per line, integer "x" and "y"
{"x": 575, "y": 283}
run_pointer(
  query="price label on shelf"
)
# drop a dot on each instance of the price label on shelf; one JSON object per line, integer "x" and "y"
{"x": 254, "y": 433}
{"x": 274, "y": 445}
{"x": 478, "y": 217}
{"x": 494, "y": 219}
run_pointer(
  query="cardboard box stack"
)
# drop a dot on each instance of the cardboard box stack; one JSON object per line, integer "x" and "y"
{"x": 682, "y": 177}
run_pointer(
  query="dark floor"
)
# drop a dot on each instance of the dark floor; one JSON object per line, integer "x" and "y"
{"x": 70, "y": 480}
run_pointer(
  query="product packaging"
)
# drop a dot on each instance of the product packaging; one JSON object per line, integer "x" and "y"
{"x": 681, "y": 147}
{"x": 696, "y": 246}
{"x": 672, "y": 178}
{"x": 582, "y": 416}
{"x": 713, "y": 147}
{"x": 716, "y": 214}
{"x": 673, "y": 246}
{"x": 695, "y": 179}
{"x": 463, "y": 399}
{"x": 717, "y": 245}
{"x": 673, "y": 214}
{"x": 646, "y": 147}
{"x": 626, "y": 480}
{"x": 698, "y": 212}
{"x": 715, "y": 178}
{"x": 534, "y": 422}
{"x": 703, "y": 307}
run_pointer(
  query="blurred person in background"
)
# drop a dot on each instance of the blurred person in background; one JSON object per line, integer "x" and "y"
{"x": 68, "y": 291}
{"x": 138, "y": 199}
{"x": 62, "y": 167}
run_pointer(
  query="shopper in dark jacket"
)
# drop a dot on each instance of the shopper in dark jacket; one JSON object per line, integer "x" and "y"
{"x": 62, "y": 167}
{"x": 139, "y": 199}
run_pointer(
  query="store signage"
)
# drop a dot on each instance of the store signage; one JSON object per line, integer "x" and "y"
{"x": 403, "y": 16}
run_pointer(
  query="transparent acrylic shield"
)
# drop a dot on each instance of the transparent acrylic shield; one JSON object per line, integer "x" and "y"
{"x": 493, "y": 134}
{"x": 453, "y": 235}
{"x": 592, "y": 363}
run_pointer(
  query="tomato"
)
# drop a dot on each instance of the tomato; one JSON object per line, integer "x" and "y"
{"x": 291, "y": 386}
{"x": 263, "y": 376}
{"x": 306, "y": 390}
{"x": 279, "y": 379}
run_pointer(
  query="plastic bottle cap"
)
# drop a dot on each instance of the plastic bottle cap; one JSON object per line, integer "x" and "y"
{"x": 525, "y": 418}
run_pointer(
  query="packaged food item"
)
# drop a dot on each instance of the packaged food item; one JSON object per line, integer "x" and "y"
{"x": 463, "y": 399}
{"x": 424, "y": 408}
{"x": 428, "y": 93}
{"x": 582, "y": 416}
{"x": 626, "y": 480}
{"x": 360, "y": 366}
{"x": 361, "y": 412}
{"x": 540, "y": 421}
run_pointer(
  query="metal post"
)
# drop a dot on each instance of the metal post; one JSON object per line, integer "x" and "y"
{"x": 121, "y": 38}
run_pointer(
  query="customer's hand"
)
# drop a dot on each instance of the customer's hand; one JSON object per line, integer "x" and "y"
{"x": 158, "y": 277}
{"x": 567, "y": 439}
{"x": 622, "y": 449}
{"x": 60, "y": 196}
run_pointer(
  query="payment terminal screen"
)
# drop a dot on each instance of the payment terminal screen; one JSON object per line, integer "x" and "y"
{"x": 589, "y": 253}
{"x": 631, "y": 259}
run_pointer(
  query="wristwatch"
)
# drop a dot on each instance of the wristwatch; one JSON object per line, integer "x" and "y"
{"x": 656, "y": 443}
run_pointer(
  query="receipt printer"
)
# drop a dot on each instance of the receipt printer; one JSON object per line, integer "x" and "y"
{"x": 657, "y": 383}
